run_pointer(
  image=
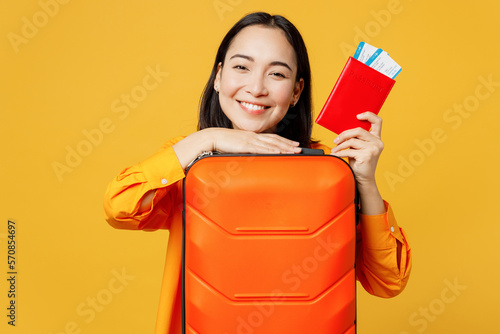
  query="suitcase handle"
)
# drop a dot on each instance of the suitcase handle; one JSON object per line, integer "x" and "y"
{"x": 312, "y": 151}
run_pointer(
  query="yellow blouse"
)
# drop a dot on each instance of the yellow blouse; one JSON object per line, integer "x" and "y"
{"x": 383, "y": 262}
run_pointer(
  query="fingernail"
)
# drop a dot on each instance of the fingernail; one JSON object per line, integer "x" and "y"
{"x": 297, "y": 149}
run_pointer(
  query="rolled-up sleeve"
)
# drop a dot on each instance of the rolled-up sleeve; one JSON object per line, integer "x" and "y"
{"x": 122, "y": 200}
{"x": 383, "y": 262}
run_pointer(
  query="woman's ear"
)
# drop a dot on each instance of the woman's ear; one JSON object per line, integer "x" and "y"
{"x": 217, "y": 77}
{"x": 297, "y": 90}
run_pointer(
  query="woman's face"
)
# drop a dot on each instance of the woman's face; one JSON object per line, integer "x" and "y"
{"x": 257, "y": 82}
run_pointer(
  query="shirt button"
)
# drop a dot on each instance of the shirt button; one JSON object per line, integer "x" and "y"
{"x": 164, "y": 181}
{"x": 392, "y": 229}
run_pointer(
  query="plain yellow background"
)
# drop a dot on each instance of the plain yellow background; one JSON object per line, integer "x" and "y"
{"x": 65, "y": 66}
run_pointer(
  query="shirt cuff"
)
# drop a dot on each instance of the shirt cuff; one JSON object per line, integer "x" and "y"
{"x": 379, "y": 231}
{"x": 162, "y": 169}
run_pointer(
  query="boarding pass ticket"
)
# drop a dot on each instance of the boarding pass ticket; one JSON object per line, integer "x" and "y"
{"x": 377, "y": 59}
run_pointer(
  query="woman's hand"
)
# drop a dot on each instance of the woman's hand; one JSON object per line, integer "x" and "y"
{"x": 231, "y": 141}
{"x": 240, "y": 141}
{"x": 363, "y": 148}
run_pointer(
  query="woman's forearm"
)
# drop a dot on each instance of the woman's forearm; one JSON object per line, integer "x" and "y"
{"x": 371, "y": 202}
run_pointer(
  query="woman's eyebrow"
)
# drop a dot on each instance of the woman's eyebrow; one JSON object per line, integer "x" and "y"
{"x": 273, "y": 63}
{"x": 280, "y": 63}
{"x": 238, "y": 55}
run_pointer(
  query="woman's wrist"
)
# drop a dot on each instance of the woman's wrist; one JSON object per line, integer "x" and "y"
{"x": 190, "y": 147}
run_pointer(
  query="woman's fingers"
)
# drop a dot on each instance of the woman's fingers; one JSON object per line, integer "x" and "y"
{"x": 373, "y": 135}
{"x": 283, "y": 145}
{"x": 353, "y": 143}
{"x": 357, "y": 133}
{"x": 375, "y": 121}
{"x": 363, "y": 148}
{"x": 354, "y": 148}
{"x": 239, "y": 141}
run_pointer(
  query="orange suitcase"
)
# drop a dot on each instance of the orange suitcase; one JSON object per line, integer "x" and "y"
{"x": 269, "y": 245}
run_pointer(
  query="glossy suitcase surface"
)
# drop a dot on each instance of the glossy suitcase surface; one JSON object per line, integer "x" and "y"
{"x": 269, "y": 245}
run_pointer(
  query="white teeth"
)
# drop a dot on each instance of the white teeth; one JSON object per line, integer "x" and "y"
{"x": 252, "y": 106}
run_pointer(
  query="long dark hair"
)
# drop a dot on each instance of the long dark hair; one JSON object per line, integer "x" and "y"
{"x": 297, "y": 123}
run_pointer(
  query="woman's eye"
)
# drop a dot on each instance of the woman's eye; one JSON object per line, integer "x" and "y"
{"x": 240, "y": 67}
{"x": 279, "y": 75}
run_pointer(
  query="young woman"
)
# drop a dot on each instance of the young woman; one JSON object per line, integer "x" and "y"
{"x": 258, "y": 100}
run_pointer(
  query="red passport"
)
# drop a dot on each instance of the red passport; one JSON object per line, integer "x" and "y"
{"x": 359, "y": 88}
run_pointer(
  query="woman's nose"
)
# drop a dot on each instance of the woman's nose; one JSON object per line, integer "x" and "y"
{"x": 256, "y": 85}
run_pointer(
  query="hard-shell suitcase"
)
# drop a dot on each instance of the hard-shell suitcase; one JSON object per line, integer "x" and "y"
{"x": 269, "y": 245}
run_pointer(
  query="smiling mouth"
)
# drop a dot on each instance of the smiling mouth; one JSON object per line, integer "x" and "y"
{"x": 253, "y": 108}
